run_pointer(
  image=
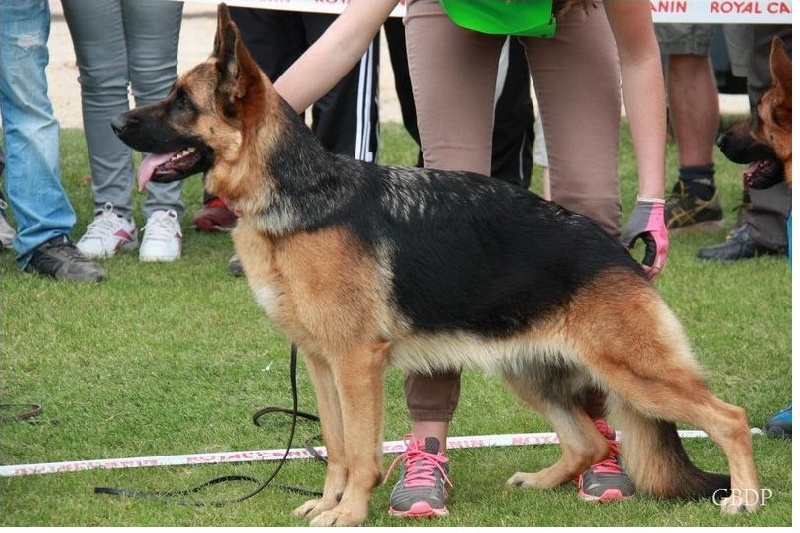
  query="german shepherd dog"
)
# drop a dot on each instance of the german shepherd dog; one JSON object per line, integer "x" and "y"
{"x": 365, "y": 266}
{"x": 764, "y": 142}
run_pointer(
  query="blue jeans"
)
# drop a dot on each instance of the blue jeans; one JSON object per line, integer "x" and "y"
{"x": 30, "y": 131}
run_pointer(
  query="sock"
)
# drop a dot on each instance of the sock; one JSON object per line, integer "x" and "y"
{"x": 698, "y": 180}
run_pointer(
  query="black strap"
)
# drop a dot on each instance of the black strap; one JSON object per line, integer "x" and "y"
{"x": 19, "y": 411}
{"x": 176, "y": 495}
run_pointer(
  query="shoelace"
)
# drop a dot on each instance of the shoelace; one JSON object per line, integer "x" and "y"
{"x": 104, "y": 224}
{"x": 420, "y": 465}
{"x": 609, "y": 465}
{"x": 68, "y": 250}
{"x": 162, "y": 226}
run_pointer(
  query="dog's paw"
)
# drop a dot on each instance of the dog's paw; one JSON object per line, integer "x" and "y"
{"x": 313, "y": 508}
{"x": 736, "y": 505}
{"x": 527, "y": 479}
{"x": 339, "y": 516}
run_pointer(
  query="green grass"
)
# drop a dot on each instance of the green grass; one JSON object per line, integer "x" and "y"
{"x": 167, "y": 359}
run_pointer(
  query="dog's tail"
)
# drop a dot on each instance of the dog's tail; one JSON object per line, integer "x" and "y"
{"x": 655, "y": 459}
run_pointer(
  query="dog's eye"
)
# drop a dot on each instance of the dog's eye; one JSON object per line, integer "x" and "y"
{"x": 181, "y": 103}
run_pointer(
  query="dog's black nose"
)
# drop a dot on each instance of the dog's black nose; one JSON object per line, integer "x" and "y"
{"x": 119, "y": 123}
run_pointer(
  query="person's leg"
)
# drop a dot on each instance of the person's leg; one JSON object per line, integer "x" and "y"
{"x": 764, "y": 229}
{"x": 512, "y": 136}
{"x": 98, "y": 37}
{"x": 694, "y": 116}
{"x": 694, "y": 108}
{"x": 7, "y": 232}
{"x": 420, "y": 490}
{"x": 151, "y": 35}
{"x": 739, "y": 43}
{"x": 453, "y": 73}
{"x": 581, "y": 120}
{"x": 454, "y": 96}
{"x": 581, "y": 128}
{"x": 771, "y": 206}
{"x": 31, "y": 132}
{"x": 41, "y": 207}
{"x": 346, "y": 119}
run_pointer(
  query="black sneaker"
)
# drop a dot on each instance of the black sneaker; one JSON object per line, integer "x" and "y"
{"x": 684, "y": 211}
{"x": 60, "y": 259}
{"x": 740, "y": 244}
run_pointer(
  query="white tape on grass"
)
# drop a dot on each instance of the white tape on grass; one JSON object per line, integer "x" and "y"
{"x": 398, "y": 446}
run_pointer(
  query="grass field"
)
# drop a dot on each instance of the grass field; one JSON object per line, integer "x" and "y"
{"x": 166, "y": 359}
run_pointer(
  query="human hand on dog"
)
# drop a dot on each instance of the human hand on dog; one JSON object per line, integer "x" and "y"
{"x": 647, "y": 223}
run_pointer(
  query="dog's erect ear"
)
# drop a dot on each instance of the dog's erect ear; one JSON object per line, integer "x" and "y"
{"x": 237, "y": 68}
{"x": 780, "y": 67}
{"x": 223, "y": 18}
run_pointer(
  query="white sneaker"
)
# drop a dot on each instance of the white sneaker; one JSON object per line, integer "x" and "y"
{"x": 162, "y": 237}
{"x": 107, "y": 234}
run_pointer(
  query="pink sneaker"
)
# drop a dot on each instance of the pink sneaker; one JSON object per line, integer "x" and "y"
{"x": 420, "y": 491}
{"x": 606, "y": 481}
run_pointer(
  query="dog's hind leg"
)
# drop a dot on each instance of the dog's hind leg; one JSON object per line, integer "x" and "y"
{"x": 359, "y": 380}
{"x": 330, "y": 416}
{"x": 639, "y": 352}
{"x": 581, "y": 443}
{"x": 654, "y": 455}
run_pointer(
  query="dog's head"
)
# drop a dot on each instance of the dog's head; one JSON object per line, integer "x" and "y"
{"x": 205, "y": 121}
{"x": 765, "y": 141}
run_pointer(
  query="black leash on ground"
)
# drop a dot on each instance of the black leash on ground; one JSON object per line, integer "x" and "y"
{"x": 178, "y": 496}
{"x": 19, "y": 411}
{"x": 24, "y": 412}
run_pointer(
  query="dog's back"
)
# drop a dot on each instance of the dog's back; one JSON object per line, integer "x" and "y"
{"x": 472, "y": 253}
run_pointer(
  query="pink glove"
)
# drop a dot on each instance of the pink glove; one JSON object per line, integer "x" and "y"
{"x": 647, "y": 223}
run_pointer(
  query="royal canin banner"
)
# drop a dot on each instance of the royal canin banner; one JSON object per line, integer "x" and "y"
{"x": 693, "y": 11}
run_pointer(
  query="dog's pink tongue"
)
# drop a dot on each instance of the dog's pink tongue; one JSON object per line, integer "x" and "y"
{"x": 149, "y": 165}
{"x": 752, "y": 167}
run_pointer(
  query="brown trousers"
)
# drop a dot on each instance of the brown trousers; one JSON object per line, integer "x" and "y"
{"x": 576, "y": 80}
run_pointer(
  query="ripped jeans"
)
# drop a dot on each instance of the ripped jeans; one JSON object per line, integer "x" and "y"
{"x": 30, "y": 130}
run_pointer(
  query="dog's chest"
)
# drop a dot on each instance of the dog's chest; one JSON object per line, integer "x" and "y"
{"x": 322, "y": 286}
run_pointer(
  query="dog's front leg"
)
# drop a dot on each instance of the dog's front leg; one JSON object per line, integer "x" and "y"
{"x": 359, "y": 378}
{"x": 330, "y": 416}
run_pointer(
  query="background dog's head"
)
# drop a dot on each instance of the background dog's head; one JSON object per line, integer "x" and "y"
{"x": 764, "y": 142}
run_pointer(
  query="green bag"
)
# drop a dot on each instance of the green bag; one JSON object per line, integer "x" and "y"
{"x": 528, "y": 18}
